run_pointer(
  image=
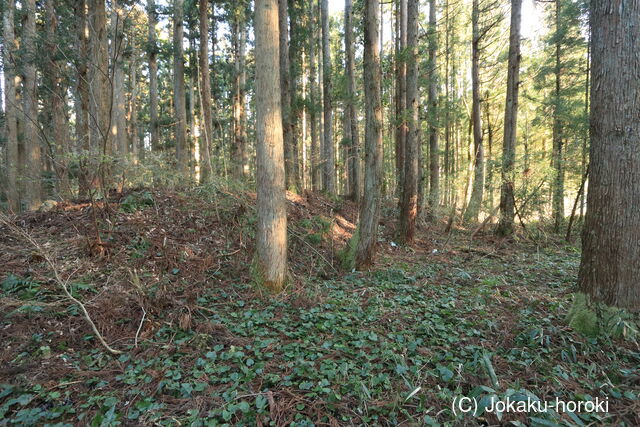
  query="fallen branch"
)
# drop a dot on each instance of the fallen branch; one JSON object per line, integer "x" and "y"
{"x": 64, "y": 284}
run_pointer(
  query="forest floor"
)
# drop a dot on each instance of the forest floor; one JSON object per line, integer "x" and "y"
{"x": 167, "y": 282}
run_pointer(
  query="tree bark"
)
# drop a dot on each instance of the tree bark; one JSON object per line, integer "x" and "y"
{"x": 314, "y": 117}
{"x": 99, "y": 96}
{"x": 329, "y": 149}
{"x": 271, "y": 250}
{"x": 179, "y": 95}
{"x": 434, "y": 153}
{"x": 83, "y": 143}
{"x": 33, "y": 167}
{"x": 507, "y": 198}
{"x": 285, "y": 87}
{"x": 9, "y": 49}
{"x": 610, "y": 264}
{"x": 409, "y": 205}
{"x": 558, "y": 164}
{"x": 239, "y": 133}
{"x": 153, "y": 76}
{"x": 118, "y": 108}
{"x": 401, "y": 91}
{"x": 475, "y": 202}
{"x": 58, "y": 124}
{"x": 206, "y": 170}
{"x": 370, "y": 207}
{"x": 135, "y": 142}
{"x": 353, "y": 159}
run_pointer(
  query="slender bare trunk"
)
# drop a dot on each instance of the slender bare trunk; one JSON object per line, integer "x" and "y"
{"x": 239, "y": 133}
{"x": 316, "y": 175}
{"x": 83, "y": 143}
{"x": 99, "y": 96}
{"x": 409, "y": 203}
{"x": 271, "y": 250}
{"x": 370, "y": 207}
{"x": 329, "y": 151}
{"x": 9, "y": 67}
{"x": 477, "y": 191}
{"x": 33, "y": 169}
{"x": 179, "y": 98}
{"x": 58, "y": 124}
{"x": 353, "y": 153}
{"x": 205, "y": 95}
{"x": 507, "y": 198}
{"x": 558, "y": 161}
{"x": 118, "y": 109}
{"x": 285, "y": 87}
{"x": 153, "y": 76}
{"x": 434, "y": 153}
{"x": 401, "y": 92}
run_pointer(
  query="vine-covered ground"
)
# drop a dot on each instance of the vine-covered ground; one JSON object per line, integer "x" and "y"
{"x": 167, "y": 284}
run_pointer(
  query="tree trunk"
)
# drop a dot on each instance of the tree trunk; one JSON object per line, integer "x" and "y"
{"x": 179, "y": 95}
{"x": 33, "y": 167}
{"x": 285, "y": 87}
{"x": 314, "y": 117}
{"x": 239, "y": 133}
{"x": 401, "y": 91}
{"x": 370, "y": 207}
{"x": 271, "y": 250}
{"x": 329, "y": 152}
{"x": 475, "y": 202}
{"x": 558, "y": 164}
{"x": 118, "y": 108}
{"x": 353, "y": 159}
{"x": 409, "y": 205}
{"x": 610, "y": 265}
{"x": 507, "y": 198}
{"x": 135, "y": 142}
{"x": 9, "y": 67}
{"x": 83, "y": 143}
{"x": 153, "y": 76}
{"x": 434, "y": 153}
{"x": 205, "y": 95}
{"x": 99, "y": 94}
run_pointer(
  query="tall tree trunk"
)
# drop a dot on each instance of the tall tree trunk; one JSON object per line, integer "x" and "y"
{"x": 401, "y": 91}
{"x": 118, "y": 108}
{"x": 205, "y": 95}
{"x": 370, "y": 207}
{"x": 409, "y": 205}
{"x": 475, "y": 202}
{"x": 296, "y": 61}
{"x": 353, "y": 160}
{"x": 9, "y": 49}
{"x": 314, "y": 95}
{"x": 179, "y": 95}
{"x": 271, "y": 250}
{"x": 135, "y": 142}
{"x": 83, "y": 143}
{"x": 329, "y": 149}
{"x": 558, "y": 163}
{"x": 239, "y": 132}
{"x": 285, "y": 87}
{"x": 609, "y": 269}
{"x": 434, "y": 153}
{"x": 99, "y": 94}
{"x": 33, "y": 169}
{"x": 507, "y": 198}
{"x": 58, "y": 123}
{"x": 153, "y": 76}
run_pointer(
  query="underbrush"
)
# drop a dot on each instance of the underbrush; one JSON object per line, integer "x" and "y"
{"x": 444, "y": 319}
